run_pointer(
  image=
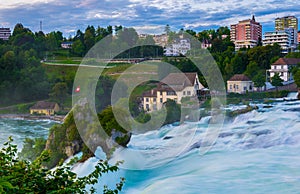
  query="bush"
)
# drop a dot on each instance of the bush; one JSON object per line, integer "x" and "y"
{"x": 22, "y": 176}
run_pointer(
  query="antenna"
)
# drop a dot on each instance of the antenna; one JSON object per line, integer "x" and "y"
{"x": 41, "y": 26}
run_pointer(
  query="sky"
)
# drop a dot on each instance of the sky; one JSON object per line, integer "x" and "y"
{"x": 144, "y": 15}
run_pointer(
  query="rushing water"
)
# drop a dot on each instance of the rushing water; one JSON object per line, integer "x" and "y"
{"x": 20, "y": 129}
{"x": 257, "y": 152}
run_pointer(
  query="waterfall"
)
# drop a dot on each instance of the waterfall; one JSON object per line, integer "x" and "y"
{"x": 292, "y": 96}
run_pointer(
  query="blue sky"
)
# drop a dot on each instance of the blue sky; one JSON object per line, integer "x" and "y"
{"x": 144, "y": 15}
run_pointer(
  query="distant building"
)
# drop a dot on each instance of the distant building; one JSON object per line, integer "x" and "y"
{"x": 143, "y": 36}
{"x": 175, "y": 86}
{"x": 281, "y": 37}
{"x": 239, "y": 83}
{"x": 246, "y": 34}
{"x": 283, "y": 67}
{"x": 179, "y": 46}
{"x": 44, "y": 108}
{"x": 66, "y": 45}
{"x": 288, "y": 22}
{"x": 161, "y": 40}
{"x": 5, "y": 33}
{"x": 206, "y": 44}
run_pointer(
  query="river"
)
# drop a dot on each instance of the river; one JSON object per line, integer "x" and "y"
{"x": 256, "y": 152}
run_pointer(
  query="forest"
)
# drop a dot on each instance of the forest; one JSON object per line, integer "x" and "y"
{"x": 24, "y": 78}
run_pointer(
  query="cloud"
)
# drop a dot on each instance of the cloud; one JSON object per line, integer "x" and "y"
{"x": 145, "y": 15}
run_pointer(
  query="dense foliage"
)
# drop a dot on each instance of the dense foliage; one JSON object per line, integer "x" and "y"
{"x": 22, "y": 176}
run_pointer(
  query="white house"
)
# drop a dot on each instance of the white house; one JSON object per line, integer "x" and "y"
{"x": 178, "y": 47}
{"x": 283, "y": 67}
{"x": 66, "y": 45}
{"x": 175, "y": 86}
{"x": 239, "y": 83}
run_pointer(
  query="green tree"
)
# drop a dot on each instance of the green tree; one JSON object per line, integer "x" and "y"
{"x": 78, "y": 48}
{"x": 173, "y": 112}
{"x": 89, "y": 37}
{"x": 60, "y": 93}
{"x": 297, "y": 78}
{"x": 32, "y": 148}
{"x": 22, "y": 176}
{"x": 251, "y": 69}
{"x": 167, "y": 29}
{"x": 259, "y": 80}
{"x": 276, "y": 81}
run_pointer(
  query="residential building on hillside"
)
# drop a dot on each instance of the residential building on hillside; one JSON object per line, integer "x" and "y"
{"x": 179, "y": 46}
{"x": 206, "y": 44}
{"x": 45, "y": 108}
{"x": 5, "y": 33}
{"x": 66, "y": 45}
{"x": 161, "y": 40}
{"x": 281, "y": 37}
{"x": 288, "y": 22}
{"x": 246, "y": 34}
{"x": 283, "y": 67}
{"x": 239, "y": 83}
{"x": 175, "y": 86}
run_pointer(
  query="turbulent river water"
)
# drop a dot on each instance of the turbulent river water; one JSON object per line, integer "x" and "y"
{"x": 256, "y": 152}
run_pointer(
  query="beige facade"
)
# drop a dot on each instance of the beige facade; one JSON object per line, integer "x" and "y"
{"x": 239, "y": 83}
{"x": 174, "y": 87}
{"x": 44, "y": 108}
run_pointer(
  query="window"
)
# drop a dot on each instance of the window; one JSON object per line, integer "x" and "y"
{"x": 230, "y": 86}
{"x": 161, "y": 100}
{"x": 147, "y": 99}
{"x": 184, "y": 93}
{"x": 147, "y": 107}
{"x": 171, "y": 93}
{"x": 245, "y": 88}
{"x": 237, "y": 87}
{"x": 154, "y": 99}
{"x": 188, "y": 93}
{"x": 160, "y": 92}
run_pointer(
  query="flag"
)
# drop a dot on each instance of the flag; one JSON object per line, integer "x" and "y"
{"x": 77, "y": 89}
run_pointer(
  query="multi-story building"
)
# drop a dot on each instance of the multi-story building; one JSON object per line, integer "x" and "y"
{"x": 283, "y": 67}
{"x": 5, "y": 33}
{"x": 175, "y": 86}
{"x": 288, "y": 22}
{"x": 246, "y": 34}
{"x": 178, "y": 47}
{"x": 281, "y": 37}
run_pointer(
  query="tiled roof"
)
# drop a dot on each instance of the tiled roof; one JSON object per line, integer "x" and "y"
{"x": 287, "y": 61}
{"x": 239, "y": 77}
{"x": 186, "y": 79}
{"x": 150, "y": 93}
{"x": 43, "y": 105}
{"x": 173, "y": 82}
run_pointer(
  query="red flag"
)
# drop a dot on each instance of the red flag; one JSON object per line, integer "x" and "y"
{"x": 77, "y": 89}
